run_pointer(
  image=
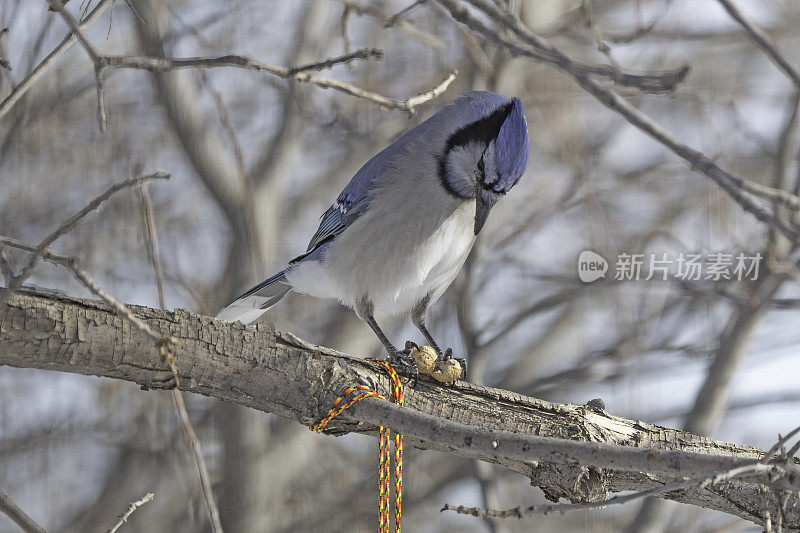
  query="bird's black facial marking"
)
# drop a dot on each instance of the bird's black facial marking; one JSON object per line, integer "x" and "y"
{"x": 480, "y": 133}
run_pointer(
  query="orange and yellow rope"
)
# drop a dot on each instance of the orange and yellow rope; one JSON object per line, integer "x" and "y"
{"x": 384, "y": 436}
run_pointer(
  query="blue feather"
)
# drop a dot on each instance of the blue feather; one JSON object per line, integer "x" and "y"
{"x": 512, "y": 146}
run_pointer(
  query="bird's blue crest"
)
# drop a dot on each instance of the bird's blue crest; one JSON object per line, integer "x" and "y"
{"x": 511, "y": 147}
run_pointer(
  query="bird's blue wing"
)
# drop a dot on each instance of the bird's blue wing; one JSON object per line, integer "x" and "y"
{"x": 355, "y": 197}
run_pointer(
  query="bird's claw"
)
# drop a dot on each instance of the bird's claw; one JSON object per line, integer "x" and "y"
{"x": 442, "y": 367}
{"x": 402, "y": 361}
{"x": 448, "y": 355}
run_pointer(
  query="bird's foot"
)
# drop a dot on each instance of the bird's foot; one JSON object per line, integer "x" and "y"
{"x": 449, "y": 368}
{"x": 448, "y": 354}
{"x": 424, "y": 357}
{"x": 402, "y": 361}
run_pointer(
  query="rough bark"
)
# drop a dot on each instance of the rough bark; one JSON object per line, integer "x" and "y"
{"x": 259, "y": 367}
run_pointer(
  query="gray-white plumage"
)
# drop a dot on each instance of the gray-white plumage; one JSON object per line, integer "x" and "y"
{"x": 402, "y": 228}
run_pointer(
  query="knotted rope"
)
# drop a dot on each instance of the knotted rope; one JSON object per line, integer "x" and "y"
{"x": 384, "y": 437}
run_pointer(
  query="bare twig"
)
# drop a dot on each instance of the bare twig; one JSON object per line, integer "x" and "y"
{"x": 58, "y": 5}
{"x": 538, "y": 48}
{"x": 793, "y": 450}
{"x": 343, "y": 22}
{"x": 102, "y": 115}
{"x": 18, "y": 516}
{"x": 761, "y": 40}
{"x": 151, "y": 244}
{"x": 162, "y": 64}
{"x": 700, "y": 482}
{"x": 363, "y": 53}
{"x": 298, "y": 74}
{"x": 48, "y": 253}
{"x": 391, "y": 21}
{"x": 151, "y": 240}
{"x": 197, "y": 451}
{"x": 411, "y": 103}
{"x": 781, "y": 441}
{"x": 602, "y": 45}
{"x": 131, "y": 509}
{"x": 118, "y": 306}
{"x": 4, "y": 63}
{"x": 402, "y": 24}
{"x": 20, "y": 89}
{"x": 69, "y": 224}
{"x": 71, "y": 264}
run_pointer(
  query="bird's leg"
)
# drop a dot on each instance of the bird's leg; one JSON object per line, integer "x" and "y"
{"x": 396, "y": 357}
{"x": 370, "y": 320}
{"x": 418, "y": 318}
{"x": 428, "y": 337}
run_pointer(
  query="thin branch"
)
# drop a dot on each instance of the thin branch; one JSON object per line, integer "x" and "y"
{"x": 70, "y": 224}
{"x": 151, "y": 240}
{"x": 298, "y": 74}
{"x": 699, "y": 482}
{"x": 761, "y": 39}
{"x": 421, "y": 98}
{"x": 48, "y": 253}
{"x": 58, "y": 5}
{"x": 151, "y": 244}
{"x": 17, "y": 515}
{"x": 394, "y": 19}
{"x": 777, "y": 446}
{"x": 197, "y": 451}
{"x": 131, "y": 509}
{"x": 540, "y": 49}
{"x": 4, "y": 63}
{"x": 121, "y": 309}
{"x": 363, "y": 53}
{"x": 343, "y": 22}
{"x": 102, "y": 115}
{"x": 402, "y": 24}
{"x": 162, "y": 64}
{"x": 20, "y": 89}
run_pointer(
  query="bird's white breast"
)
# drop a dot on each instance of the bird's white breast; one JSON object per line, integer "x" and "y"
{"x": 411, "y": 242}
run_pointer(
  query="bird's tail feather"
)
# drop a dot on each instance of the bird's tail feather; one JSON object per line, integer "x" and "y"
{"x": 251, "y": 305}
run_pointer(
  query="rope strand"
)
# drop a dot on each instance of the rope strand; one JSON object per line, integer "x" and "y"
{"x": 384, "y": 439}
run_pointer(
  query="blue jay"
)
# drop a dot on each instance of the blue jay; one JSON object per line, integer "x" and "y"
{"x": 401, "y": 230}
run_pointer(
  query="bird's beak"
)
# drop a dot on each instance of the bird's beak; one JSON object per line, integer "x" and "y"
{"x": 484, "y": 201}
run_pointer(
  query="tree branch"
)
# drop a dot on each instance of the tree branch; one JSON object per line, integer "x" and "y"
{"x": 131, "y": 509}
{"x": 160, "y": 64}
{"x": 18, "y": 516}
{"x": 571, "y": 451}
{"x": 761, "y": 40}
{"x": 22, "y": 87}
